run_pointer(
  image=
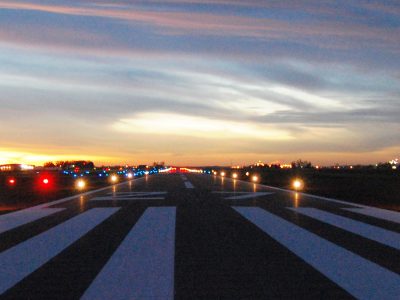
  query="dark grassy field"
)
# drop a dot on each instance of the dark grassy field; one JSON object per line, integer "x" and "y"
{"x": 373, "y": 187}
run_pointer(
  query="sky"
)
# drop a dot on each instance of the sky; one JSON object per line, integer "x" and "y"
{"x": 190, "y": 82}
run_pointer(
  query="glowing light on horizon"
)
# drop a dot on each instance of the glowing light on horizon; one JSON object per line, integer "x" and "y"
{"x": 28, "y": 159}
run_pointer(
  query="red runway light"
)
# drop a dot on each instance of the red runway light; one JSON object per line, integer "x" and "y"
{"x": 11, "y": 181}
{"x": 46, "y": 182}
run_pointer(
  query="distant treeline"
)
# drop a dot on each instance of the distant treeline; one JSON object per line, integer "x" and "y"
{"x": 65, "y": 165}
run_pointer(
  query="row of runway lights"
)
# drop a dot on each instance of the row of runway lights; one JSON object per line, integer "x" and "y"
{"x": 80, "y": 182}
{"x": 297, "y": 183}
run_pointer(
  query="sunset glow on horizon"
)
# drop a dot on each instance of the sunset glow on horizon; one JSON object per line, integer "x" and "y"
{"x": 199, "y": 82}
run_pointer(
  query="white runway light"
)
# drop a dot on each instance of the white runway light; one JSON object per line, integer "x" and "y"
{"x": 298, "y": 184}
{"x": 80, "y": 184}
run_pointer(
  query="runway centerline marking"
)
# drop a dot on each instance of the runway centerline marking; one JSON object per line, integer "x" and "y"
{"x": 380, "y": 235}
{"x": 23, "y": 259}
{"x": 187, "y": 183}
{"x": 143, "y": 265}
{"x": 361, "y": 278}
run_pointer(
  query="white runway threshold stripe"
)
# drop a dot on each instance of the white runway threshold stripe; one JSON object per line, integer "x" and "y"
{"x": 22, "y": 217}
{"x": 134, "y": 194}
{"x": 378, "y": 213}
{"x": 380, "y": 235}
{"x": 21, "y": 260}
{"x": 360, "y": 277}
{"x": 125, "y": 198}
{"x": 249, "y": 196}
{"x": 143, "y": 265}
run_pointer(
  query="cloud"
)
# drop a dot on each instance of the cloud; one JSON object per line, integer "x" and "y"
{"x": 167, "y": 124}
{"x": 322, "y": 32}
{"x": 245, "y": 78}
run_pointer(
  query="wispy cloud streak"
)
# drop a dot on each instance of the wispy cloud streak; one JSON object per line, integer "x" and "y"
{"x": 254, "y": 79}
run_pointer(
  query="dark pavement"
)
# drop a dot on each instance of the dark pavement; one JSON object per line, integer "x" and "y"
{"x": 195, "y": 236}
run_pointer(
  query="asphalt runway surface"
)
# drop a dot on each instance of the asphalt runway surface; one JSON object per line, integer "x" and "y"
{"x": 190, "y": 236}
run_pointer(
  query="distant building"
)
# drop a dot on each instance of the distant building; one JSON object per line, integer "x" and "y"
{"x": 15, "y": 167}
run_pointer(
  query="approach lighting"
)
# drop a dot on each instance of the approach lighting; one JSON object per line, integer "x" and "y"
{"x": 114, "y": 178}
{"x": 129, "y": 175}
{"x": 222, "y": 174}
{"x": 254, "y": 178}
{"x": 234, "y": 175}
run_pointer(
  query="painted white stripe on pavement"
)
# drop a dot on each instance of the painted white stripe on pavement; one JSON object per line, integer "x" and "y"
{"x": 18, "y": 262}
{"x": 22, "y": 217}
{"x": 77, "y": 196}
{"x": 249, "y": 196}
{"x": 138, "y": 193}
{"x": 125, "y": 198}
{"x": 380, "y": 235}
{"x": 189, "y": 185}
{"x": 230, "y": 192}
{"x": 358, "y": 276}
{"x": 143, "y": 265}
{"x": 378, "y": 213}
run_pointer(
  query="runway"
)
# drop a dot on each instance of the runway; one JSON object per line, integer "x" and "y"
{"x": 191, "y": 236}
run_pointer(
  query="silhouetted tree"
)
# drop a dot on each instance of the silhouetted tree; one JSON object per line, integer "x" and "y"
{"x": 49, "y": 164}
{"x": 301, "y": 164}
